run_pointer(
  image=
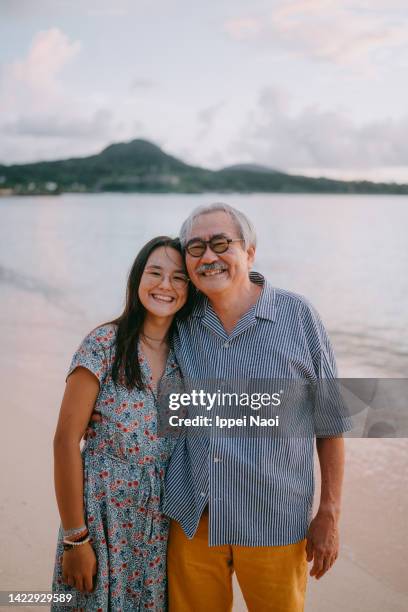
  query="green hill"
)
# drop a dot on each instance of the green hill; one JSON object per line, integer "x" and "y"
{"x": 140, "y": 166}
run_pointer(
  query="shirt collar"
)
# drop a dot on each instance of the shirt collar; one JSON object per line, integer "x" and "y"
{"x": 265, "y": 307}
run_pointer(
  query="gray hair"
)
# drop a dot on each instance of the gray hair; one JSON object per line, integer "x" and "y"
{"x": 243, "y": 224}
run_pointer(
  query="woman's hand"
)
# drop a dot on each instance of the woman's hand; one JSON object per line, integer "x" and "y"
{"x": 79, "y": 567}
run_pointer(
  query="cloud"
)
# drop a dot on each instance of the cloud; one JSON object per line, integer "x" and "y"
{"x": 50, "y": 51}
{"x": 334, "y": 31}
{"x": 10, "y": 8}
{"x": 54, "y": 126}
{"x": 317, "y": 138}
{"x": 207, "y": 115}
{"x": 142, "y": 84}
{"x": 42, "y": 115}
{"x": 206, "y": 118}
{"x": 36, "y": 77}
{"x": 107, "y": 12}
{"x": 243, "y": 28}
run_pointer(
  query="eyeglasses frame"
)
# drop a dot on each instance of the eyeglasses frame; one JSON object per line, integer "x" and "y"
{"x": 163, "y": 276}
{"x": 208, "y": 242}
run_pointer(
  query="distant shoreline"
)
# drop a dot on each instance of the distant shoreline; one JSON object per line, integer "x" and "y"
{"x": 4, "y": 193}
{"x": 142, "y": 167}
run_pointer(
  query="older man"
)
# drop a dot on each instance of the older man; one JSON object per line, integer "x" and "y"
{"x": 244, "y": 504}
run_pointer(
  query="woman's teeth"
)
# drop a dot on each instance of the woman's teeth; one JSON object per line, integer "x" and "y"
{"x": 162, "y": 298}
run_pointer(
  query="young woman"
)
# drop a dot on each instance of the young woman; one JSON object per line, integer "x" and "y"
{"x": 111, "y": 553}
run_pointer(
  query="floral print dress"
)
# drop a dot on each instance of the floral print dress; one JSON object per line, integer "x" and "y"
{"x": 124, "y": 467}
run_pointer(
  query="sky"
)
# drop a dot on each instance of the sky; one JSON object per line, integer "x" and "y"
{"x": 314, "y": 87}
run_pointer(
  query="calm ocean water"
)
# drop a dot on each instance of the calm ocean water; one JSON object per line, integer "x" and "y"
{"x": 64, "y": 260}
{"x": 63, "y": 268}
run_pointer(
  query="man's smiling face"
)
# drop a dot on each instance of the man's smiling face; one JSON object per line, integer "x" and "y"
{"x": 217, "y": 273}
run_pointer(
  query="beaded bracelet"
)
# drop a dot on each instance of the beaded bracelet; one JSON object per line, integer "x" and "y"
{"x": 73, "y": 532}
{"x": 79, "y": 538}
{"x": 70, "y": 545}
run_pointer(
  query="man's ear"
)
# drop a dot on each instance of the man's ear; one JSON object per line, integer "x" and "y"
{"x": 251, "y": 256}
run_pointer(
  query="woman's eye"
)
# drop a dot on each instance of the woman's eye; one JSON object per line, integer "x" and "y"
{"x": 152, "y": 273}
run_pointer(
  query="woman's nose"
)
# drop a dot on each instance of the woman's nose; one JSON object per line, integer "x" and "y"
{"x": 165, "y": 281}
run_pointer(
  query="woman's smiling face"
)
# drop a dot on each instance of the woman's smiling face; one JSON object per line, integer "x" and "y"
{"x": 163, "y": 287}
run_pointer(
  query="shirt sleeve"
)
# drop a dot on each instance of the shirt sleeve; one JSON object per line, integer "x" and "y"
{"x": 330, "y": 412}
{"x": 92, "y": 355}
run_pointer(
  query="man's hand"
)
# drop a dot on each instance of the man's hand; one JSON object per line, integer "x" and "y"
{"x": 322, "y": 546}
{"x": 96, "y": 417}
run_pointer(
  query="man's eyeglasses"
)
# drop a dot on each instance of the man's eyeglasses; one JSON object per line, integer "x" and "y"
{"x": 178, "y": 280}
{"x": 196, "y": 247}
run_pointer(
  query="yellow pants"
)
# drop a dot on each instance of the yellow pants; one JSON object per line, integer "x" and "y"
{"x": 272, "y": 578}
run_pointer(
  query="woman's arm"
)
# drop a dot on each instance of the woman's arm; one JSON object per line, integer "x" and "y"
{"x": 78, "y": 402}
{"x": 79, "y": 399}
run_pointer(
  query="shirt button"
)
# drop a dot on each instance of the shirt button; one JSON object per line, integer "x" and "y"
{"x": 202, "y": 494}
{"x": 217, "y": 459}
{"x": 226, "y": 344}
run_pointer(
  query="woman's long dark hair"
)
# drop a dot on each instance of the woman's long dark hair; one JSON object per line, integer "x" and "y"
{"x": 126, "y": 367}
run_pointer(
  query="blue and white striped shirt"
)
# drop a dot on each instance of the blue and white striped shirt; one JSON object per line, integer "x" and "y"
{"x": 259, "y": 490}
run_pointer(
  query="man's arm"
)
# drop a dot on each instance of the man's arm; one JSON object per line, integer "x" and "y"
{"x": 323, "y": 538}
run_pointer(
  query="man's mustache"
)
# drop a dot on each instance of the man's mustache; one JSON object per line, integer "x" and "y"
{"x": 210, "y": 267}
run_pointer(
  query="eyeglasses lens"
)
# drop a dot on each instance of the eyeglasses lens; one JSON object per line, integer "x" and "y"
{"x": 179, "y": 281}
{"x": 198, "y": 247}
{"x": 219, "y": 245}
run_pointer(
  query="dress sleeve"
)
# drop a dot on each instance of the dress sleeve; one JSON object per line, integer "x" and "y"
{"x": 92, "y": 354}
